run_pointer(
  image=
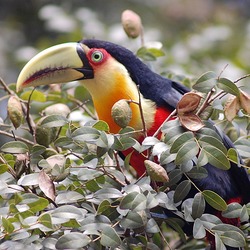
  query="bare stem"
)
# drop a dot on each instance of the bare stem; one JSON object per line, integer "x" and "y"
{"x": 205, "y": 103}
{"x": 241, "y": 78}
{"x": 6, "y": 88}
{"x": 17, "y": 137}
{"x": 166, "y": 120}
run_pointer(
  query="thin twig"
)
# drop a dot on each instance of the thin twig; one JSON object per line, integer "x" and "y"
{"x": 205, "y": 103}
{"x": 83, "y": 106}
{"x": 30, "y": 122}
{"x": 166, "y": 120}
{"x": 222, "y": 71}
{"x": 119, "y": 167}
{"x": 241, "y": 78}
{"x": 6, "y": 88}
{"x": 17, "y": 137}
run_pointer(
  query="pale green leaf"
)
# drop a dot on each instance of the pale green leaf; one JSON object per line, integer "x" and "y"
{"x": 51, "y": 121}
{"x": 205, "y": 82}
{"x": 187, "y": 152}
{"x": 182, "y": 190}
{"x": 199, "y": 231}
{"x": 72, "y": 240}
{"x": 110, "y": 238}
{"x": 15, "y": 147}
{"x": 216, "y": 157}
{"x": 214, "y": 200}
{"x": 198, "y": 206}
{"x": 228, "y": 86}
{"x": 178, "y": 143}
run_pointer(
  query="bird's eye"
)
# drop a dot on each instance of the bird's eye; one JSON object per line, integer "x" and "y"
{"x": 97, "y": 56}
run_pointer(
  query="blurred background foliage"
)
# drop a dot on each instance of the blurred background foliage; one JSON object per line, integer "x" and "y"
{"x": 198, "y": 35}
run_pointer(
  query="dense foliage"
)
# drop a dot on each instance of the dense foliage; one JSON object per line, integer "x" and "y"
{"x": 63, "y": 185}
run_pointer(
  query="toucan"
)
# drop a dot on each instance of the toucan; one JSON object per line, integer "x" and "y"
{"x": 110, "y": 73}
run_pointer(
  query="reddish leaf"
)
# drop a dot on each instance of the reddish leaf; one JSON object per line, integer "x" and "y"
{"x": 231, "y": 108}
{"x": 46, "y": 185}
{"x": 188, "y": 103}
{"x": 245, "y": 101}
{"x": 191, "y": 122}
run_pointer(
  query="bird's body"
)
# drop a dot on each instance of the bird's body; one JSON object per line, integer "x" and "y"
{"x": 111, "y": 73}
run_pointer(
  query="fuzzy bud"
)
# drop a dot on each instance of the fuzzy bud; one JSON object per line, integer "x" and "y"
{"x": 57, "y": 109}
{"x": 121, "y": 113}
{"x": 15, "y": 111}
{"x": 131, "y": 23}
{"x": 156, "y": 172}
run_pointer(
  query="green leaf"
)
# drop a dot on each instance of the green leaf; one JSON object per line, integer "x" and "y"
{"x": 15, "y": 147}
{"x": 210, "y": 140}
{"x": 149, "y": 54}
{"x": 38, "y": 205}
{"x": 127, "y": 142}
{"x": 67, "y": 143}
{"x": 198, "y": 206}
{"x": 202, "y": 159}
{"x": 232, "y": 155}
{"x": 72, "y": 239}
{"x": 205, "y": 131}
{"x": 132, "y": 220}
{"x": 95, "y": 222}
{"x": 134, "y": 201}
{"x": 244, "y": 216}
{"x": 37, "y": 150}
{"x": 68, "y": 197}
{"x": 173, "y": 224}
{"x": 45, "y": 219}
{"x": 105, "y": 140}
{"x": 242, "y": 145}
{"x": 209, "y": 221}
{"x": 197, "y": 173}
{"x": 171, "y": 133}
{"x": 101, "y": 126}
{"x": 218, "y": 243}
{"x": 69, "y": 212}
{"x": 7, "y": 225}
{"x": 28, "y": 180}
{"x": 107, "y": 209}
{"x": 205, "y": 82}
{"x": 92, "y": 185}
{"x": 150, "y": 141}
{"x": 178, "y": 143}
{"x": 214, "y": 200}
{"x": 85, "y": 134}
{"x": 109, "y": 237}
{"x": 174, "y": 176}
{"x": 233, "y": 210}
{"x": 182, "y": 190}
{"x": 152, "y": 227}
{"x": 52, "y": 121}
{"x": 230, "y": 235}
{"x": 108, "y": 193}
{"x": 36, "y": 96}
{"x": 199, "y": 231}
{"x": 216, "y": 157}
{"x": 187, "y": 152}
{"x": 228, "y": 86}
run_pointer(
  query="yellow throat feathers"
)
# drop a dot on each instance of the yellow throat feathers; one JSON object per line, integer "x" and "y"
{"x": 111, "y": 84}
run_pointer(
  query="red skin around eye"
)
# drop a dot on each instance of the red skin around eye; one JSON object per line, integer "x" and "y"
{"x": 94, "y": 63}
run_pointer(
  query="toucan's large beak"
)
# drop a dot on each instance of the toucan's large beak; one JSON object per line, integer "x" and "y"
{"x": 58, "y": 64}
